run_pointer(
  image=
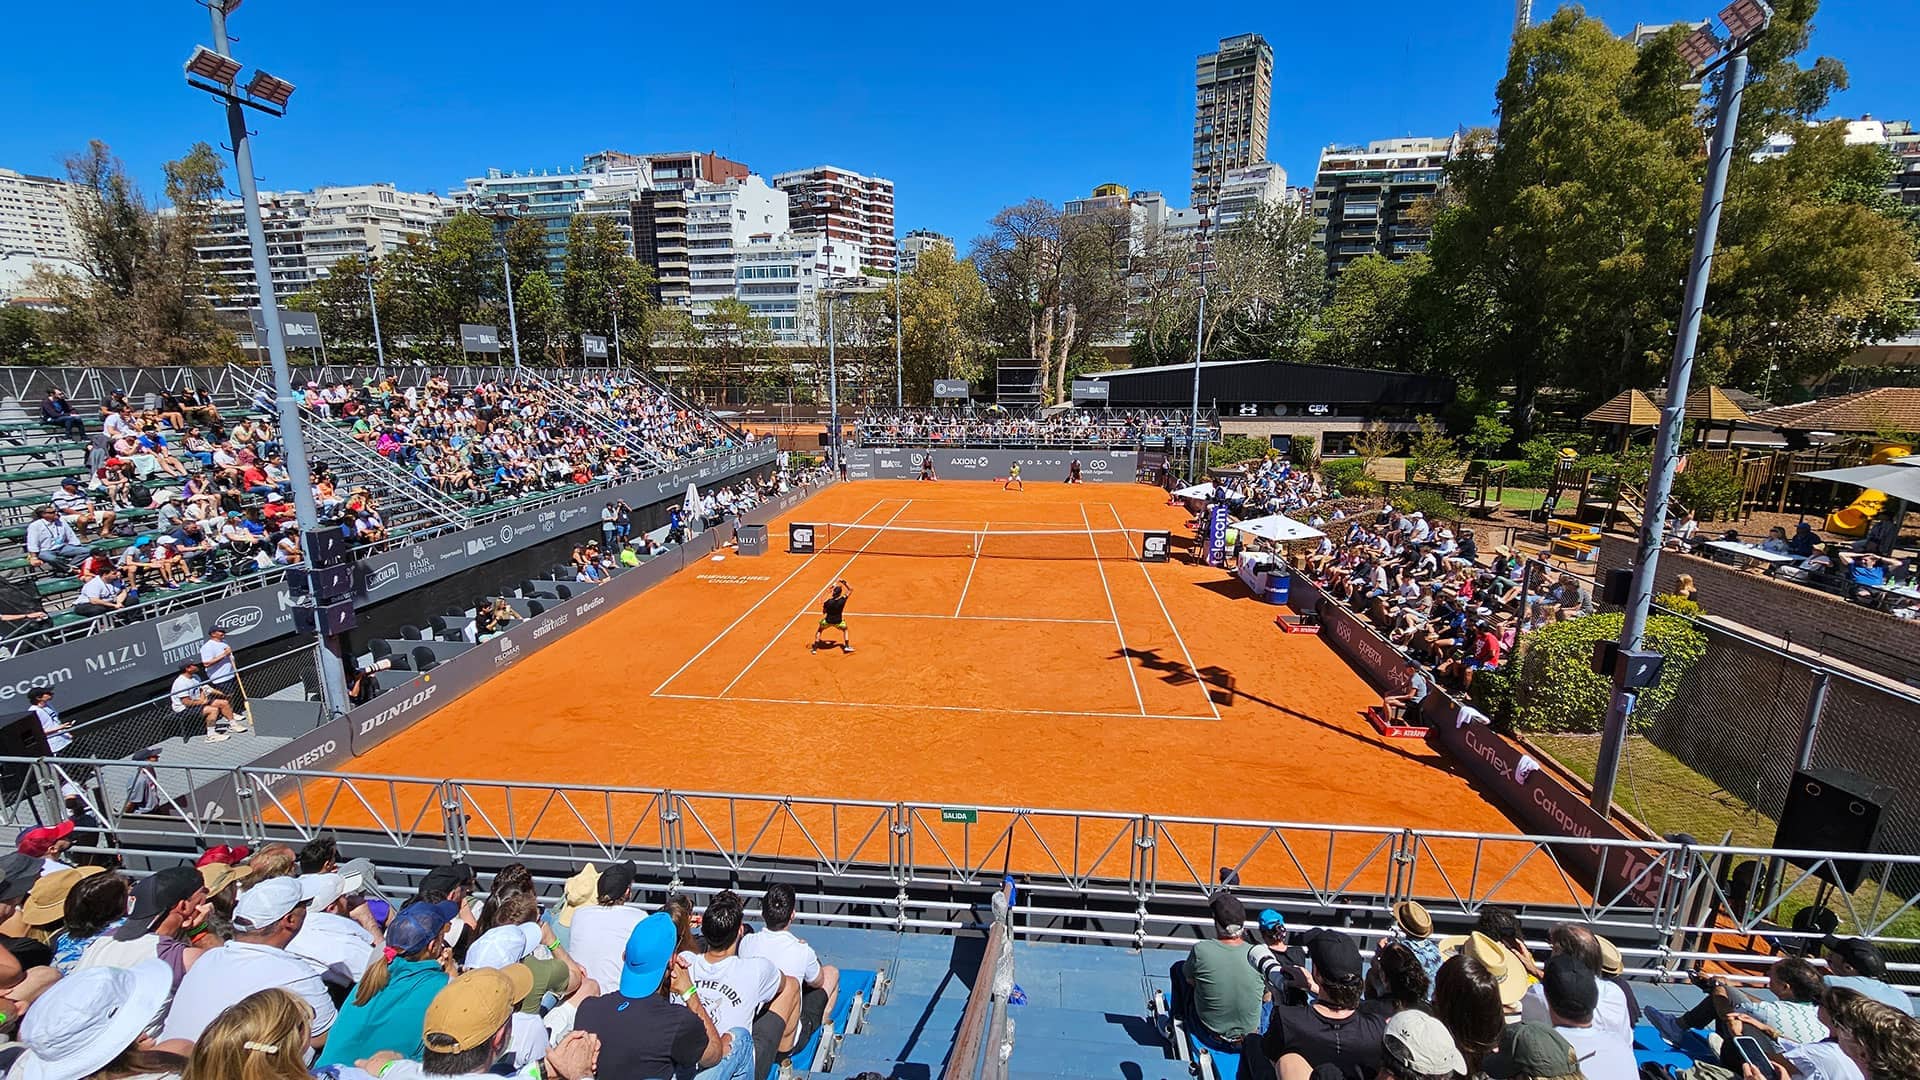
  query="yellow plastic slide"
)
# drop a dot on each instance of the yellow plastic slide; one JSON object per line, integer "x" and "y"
{"x": 1853, "y": 518}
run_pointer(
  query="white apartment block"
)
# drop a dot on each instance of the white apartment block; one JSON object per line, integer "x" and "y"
{"x": 779, "y": 279}
{"x": 919, "y": 242}
{"x": 37, "y": 228}
{"x": 722, "y": 219}
{"x": 846, "y": 207}
{"x": 1246, "y": 189}
{"x": 308, "y": 232}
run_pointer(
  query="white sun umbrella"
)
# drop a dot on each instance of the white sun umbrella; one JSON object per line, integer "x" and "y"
{"x": 1898, "y": 481}
{"x": 1279, "y": 528}
{"x": 1202, "y": 490}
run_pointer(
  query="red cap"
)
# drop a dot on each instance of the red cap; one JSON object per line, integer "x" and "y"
{"x": 37, "y": 842}
{"x": 225, "y": 855}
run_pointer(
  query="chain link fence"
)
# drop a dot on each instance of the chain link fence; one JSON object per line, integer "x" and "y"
{"x": 125, "y": 731}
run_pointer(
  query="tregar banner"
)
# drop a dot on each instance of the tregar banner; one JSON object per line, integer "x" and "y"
{"x": 99, "y": 665}
{"x": 1036, "y": 466}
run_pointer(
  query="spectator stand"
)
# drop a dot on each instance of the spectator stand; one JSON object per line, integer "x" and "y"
{"x": 992, "y": 427}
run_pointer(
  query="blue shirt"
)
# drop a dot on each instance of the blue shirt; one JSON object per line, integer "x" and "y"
{"x": 391, "y": 1020}
{"x": 1875, "y": 989}
{"x": 1869, "y": 575}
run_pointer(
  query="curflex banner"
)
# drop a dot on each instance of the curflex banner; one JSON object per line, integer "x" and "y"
{"x": 99, "y": 665}
{"x": 1036, "y": 466}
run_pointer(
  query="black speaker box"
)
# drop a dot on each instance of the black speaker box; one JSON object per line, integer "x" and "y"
{"x": 336, "y": 618}
{"x": 326, "y": 547}
{"x": 1836, "y": 811}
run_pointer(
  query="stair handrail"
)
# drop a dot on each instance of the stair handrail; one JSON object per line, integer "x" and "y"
{"x": 983, "y": 1043}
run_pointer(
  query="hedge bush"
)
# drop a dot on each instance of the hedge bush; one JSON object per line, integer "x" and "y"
{"x": 1549, "y": 683}
{"x": 1343, "y": 473}
{"x": 1431, "y": 503}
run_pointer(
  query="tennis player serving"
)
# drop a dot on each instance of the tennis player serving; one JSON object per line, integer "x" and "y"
{"x": 833, "y": 613}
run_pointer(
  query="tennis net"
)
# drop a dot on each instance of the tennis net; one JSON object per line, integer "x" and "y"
{"x": 965, "y": 543}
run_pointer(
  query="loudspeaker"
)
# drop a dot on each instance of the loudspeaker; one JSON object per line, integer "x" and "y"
{"x": 1606, "y": 657}
{"x": 1618, "y": 584}
{"x": 21, "y": 738}
{"x": 326, "y": 547}
{"x": 335, "y": 618}
{"x": 1836, "y": 811}
{"x": 326, "y": 583}
{"x": 823, "y": 438}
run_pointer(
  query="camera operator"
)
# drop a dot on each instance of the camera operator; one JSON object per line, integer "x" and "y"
{"x": 1282, "y": 965}
{"x": 361, "y": 685}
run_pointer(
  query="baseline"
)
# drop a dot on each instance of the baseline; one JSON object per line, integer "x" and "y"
{"x": 938, "y": 708}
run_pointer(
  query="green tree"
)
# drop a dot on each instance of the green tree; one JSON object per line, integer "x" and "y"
{"x": 1374, "y": 319}
{"x": 733, "y": 351}
{"x": 946, "y": 310}
{"x": 449, "y": 277}
{"x": 339, "y": 300}
{"x": 1489, "y": 436}
{"x": 1432, "y": 454}
{"x": 25, "y": 337}
{"x": 141, "y": 295}
{"x": 1267, "y": 283}
{"x": 602, "y": 277}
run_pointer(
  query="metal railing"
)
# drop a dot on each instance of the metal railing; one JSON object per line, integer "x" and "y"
{"x": 1129, "y": 878}
{"x": 153, "y": 721}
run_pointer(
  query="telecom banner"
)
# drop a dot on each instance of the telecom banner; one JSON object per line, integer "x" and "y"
{"x": 1216, "y": 534}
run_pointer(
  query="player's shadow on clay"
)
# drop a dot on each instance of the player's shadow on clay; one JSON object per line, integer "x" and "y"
{"x": 1223, "y": 690}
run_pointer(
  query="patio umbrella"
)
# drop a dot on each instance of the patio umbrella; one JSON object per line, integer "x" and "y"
{"x": 1278, "y": 528}
{"x": 1898, "y": 481}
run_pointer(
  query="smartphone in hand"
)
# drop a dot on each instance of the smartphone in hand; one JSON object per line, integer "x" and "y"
{"x": 1753, "y": 1053}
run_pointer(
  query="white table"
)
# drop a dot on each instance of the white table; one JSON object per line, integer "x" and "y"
{"x": 1752, "y": 552}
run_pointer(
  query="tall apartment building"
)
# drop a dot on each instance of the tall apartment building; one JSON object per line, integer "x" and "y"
{"x": 36, "y": 227}
{"x": 846, "y": 207}
{"x": 1233, "y": 93}
{"x": 1898, "y": 137}
{"x": 1363, "y": 197}
{"x": 780, "y": 278}
{"x": 552, "y": 197}
{"x": 1244, "y": 190}
{"x": 919, "y": 242}
{"x": 307, "y": 233}
{"x": 722, "y": 219}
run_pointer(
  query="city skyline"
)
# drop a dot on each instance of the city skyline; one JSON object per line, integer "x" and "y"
{"x": 981, "y": 121}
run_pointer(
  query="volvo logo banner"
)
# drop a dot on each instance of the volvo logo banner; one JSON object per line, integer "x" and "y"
{"x": 799, "y": 539}
{"x": 1153, "y": 547}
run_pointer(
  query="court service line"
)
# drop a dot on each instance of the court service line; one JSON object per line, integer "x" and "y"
{"x": 1126, "y": 655}
{"x": 975, "y": 618}
{"x": 770, "y": 595}
{"x": 837, "y": 574}
{"x": 979, "y": 541}
{"x": 1171, "y": 625}
{"x": 939, "y": 708}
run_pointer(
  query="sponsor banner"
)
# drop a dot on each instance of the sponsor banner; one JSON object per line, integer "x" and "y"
{"x": 298, "y": 329}
{"x": 1543, "y": 804}
{"x": 325, "y": 747}
{"x": 475, "y": 337}
{"x": 594, "y": 345}
{"x": 99, "y": 665}
{"x": 1090, "y": 390}
{"x": 402, "y": 707}
{"x": 950, "y": 388}
{"x": 1036, "y": 466}
{"x": 1154, "y": 546}
{"x": 799, "y": 538}
{"x": 1217, "y": 524}
{"x": 1365, "y": 651}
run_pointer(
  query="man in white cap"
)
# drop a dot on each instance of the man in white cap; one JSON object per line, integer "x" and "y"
{"x": 86, "y": 1020}
{"x": 265, "y": 919}
{"x": 338, "y": 936}
{"x": 1419, "y": 1047}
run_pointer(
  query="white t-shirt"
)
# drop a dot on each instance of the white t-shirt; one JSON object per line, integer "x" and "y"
{"x": 234, "y": 971}
{"x": 1610, "y": 1015}
{"x": 1821, "y": 1061}
{"x": 789, "y": 954}
{"x": 184, "y": 687}
{"x": 218, "y": 658}
{"x": 336, "y": 943}
{"x": 1603, "y": 1055}
{"x": 49, "y": 718}
{"x": 732, "y": 989}
{"x": 598, "y": 942}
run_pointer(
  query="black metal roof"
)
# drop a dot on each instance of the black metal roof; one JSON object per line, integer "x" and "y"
{"x": 1272, "y": 382}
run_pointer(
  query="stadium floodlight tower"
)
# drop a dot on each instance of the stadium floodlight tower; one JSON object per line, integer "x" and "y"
{"x": 1632, "y": 671}
{"x": 831, "y": 289}
{"x": 215, "y": 71}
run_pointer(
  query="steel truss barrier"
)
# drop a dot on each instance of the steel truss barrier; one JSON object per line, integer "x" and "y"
{"x": 1136, "y": 879}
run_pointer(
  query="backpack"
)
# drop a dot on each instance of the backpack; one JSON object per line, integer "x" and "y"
{"x": 140, "y": 496}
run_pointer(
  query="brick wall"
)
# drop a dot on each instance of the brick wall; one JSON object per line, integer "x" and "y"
{"x": 1809, "y": 618}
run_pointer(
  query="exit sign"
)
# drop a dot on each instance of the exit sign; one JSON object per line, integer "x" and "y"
{"x": 958, "y": 816}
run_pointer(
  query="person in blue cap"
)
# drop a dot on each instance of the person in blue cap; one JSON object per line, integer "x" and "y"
{"x": 654, "y": 1025}
{"x": 388, "y": 1006}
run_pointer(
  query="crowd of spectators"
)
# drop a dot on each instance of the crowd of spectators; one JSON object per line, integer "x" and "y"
{"x": 993, "y": 426}
{"x": 508, "y": 438}
{"x": 251, "y": 965}
{"x": 1307, "y": 1005}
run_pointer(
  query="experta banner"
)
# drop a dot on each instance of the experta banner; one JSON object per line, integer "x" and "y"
{"x": 90, "y": 668}
{"x": 404, "y": 706}
{"x": 1365, "y": 651}
{"x": 1036, "y": 466}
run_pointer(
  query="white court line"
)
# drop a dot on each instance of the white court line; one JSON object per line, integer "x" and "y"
{"x": 977, "y": 618}
{"x": 1120, "y": 631}
{"x": 1171, "y": 625}
{"x": 837, "y": 574}
{"x": 978, "y": 542}
{"x": 770, "y": 594}
{"x": 940, "y": 708}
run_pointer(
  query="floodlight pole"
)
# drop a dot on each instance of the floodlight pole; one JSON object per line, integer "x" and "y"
{"x": 833, "y": 388}
{"x": 614, "y": 301}
{"x": 373, "y": 305}
{"x": 513, "y": 323}
{"x": 899, "y": 337}
{"x": 1666, "y": 446}
{"x": 1199, "y": 337}
{"x": 333, "y": 675}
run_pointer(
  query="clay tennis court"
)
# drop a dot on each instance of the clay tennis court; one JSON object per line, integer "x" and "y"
{"x": 1018, "y": 653}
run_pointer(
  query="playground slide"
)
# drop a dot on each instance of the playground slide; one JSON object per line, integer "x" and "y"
{"x": 1853, "y": 519}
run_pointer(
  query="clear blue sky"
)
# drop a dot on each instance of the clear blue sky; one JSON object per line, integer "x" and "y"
{"x": 968, "y": 107}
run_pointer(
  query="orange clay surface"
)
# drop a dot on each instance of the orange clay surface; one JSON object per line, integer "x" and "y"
{"x": 1038, "y": 676}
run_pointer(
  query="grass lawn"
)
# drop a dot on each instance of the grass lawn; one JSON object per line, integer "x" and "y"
{"x": 1668, "y": 797}
{"x": 1523, "y": 498}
